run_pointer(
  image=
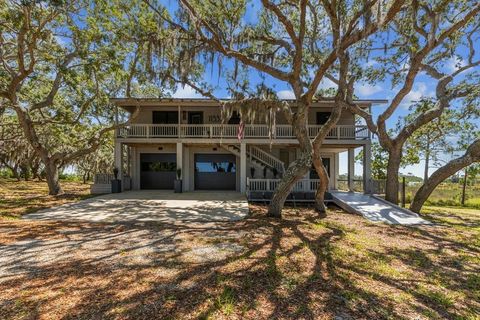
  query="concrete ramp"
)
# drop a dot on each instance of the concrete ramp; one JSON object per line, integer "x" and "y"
{"x": 376, "y": 209}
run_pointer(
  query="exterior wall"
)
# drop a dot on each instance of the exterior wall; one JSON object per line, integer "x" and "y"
{"x": 211, "y": 115}
{"x": 188, "y": 163}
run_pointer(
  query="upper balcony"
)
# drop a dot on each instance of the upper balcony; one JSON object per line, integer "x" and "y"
{"x": 231, "y": 131}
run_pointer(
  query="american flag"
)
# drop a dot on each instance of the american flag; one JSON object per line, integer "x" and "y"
{"x": 241, "y": 130}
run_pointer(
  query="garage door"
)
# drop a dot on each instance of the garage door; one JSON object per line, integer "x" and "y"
{"x": 215, "y": 172}
{"x": 157, "y": 170}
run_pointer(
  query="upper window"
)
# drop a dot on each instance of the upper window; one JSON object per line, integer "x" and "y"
{"x": 322, "y": 117}
{"x": 235, "y": 118}
{"x": 165, "y": 117}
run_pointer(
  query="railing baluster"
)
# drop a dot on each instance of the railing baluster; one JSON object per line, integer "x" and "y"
{"x": 230, "y": 131}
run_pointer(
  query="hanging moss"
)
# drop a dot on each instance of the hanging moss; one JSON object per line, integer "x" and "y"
{"x": 253, "y": 109}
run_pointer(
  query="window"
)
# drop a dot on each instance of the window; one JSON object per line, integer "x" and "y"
{"x": 322, "y": 117}
{"x": 235, "y": 118}
{"x": 215, "y": 167}
{"x": 158, "y": 166}
{"x": 215, "y": 163}
{"x": 195, "y": 117}
{"x": 165, "y": 117}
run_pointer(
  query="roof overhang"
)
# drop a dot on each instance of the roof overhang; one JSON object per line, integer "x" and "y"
{"x": 128, "y": 103}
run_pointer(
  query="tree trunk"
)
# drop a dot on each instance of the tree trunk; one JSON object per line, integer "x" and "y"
{"x": 322, "y": 186}
{"x": 51, "y": 170}
{"x": 471, "y": 155}
{"x": 392, "y": 184}
{"x": 297, "y": 168}
{"x": 295, "y": 172}
{"x": 15, "y": 173}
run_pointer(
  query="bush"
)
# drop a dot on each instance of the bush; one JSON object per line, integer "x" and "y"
{"x": 69, "y": 177}
{"x": 6, "y": 173}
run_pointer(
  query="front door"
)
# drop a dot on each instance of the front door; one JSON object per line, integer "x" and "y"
{"x": 215, "y": 172}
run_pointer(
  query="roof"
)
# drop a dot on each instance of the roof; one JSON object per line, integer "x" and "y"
{"x": 206, "y": 101}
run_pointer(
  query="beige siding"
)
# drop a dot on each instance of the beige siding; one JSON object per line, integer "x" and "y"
{"x": 211, "y": 115}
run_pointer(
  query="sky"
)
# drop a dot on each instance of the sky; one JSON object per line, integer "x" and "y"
{"x": 424, "y": 86}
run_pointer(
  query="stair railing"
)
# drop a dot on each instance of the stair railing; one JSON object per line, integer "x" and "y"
{"x": 266, "y": 158}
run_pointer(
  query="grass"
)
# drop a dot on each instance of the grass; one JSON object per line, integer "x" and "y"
{"x": 300, "y": 267}
{"x": 448, "y": 194}
{"x": 21, "y": 197}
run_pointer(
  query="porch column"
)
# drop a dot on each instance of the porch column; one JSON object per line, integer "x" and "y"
{"x": 243, "y": 167}
{"x": 179, "y": 121}
{"x": 351, "y": 168}
{"x": 367, "y": 167}
{"x": 129, "y": 161}
{"x": 180, "y": 158}
{"x": 119, "y": 159}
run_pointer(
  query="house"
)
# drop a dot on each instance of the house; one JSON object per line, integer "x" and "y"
{"x": 187, "y": 134}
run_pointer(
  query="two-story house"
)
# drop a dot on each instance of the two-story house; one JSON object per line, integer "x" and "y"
{"x": 187, "y": 134}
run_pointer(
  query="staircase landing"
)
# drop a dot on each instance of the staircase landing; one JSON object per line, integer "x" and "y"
{"x": 375, "y": 209}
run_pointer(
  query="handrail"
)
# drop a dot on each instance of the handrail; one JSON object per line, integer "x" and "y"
{"x": 305, "y": 185}
{"x": 252, "y": 131}
{"x": 267, "y": 158}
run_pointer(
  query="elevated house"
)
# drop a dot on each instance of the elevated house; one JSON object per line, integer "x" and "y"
{"x": 187, "y": 134}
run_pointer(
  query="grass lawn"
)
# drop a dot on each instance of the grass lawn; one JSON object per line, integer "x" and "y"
{"x": 21, "y": 197}
{"x": 341, "y": 267}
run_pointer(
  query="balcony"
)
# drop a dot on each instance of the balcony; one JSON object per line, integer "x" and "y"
{"x": 254, "y": 131}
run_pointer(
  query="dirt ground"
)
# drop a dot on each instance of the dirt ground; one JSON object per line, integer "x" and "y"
{"x": 20, "y": 197}
{"x": 301, "y": 267}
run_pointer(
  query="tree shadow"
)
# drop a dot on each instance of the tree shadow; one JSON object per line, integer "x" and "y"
{"x": 256, "y": 268}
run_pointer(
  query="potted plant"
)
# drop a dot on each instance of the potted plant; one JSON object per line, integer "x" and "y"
{"x": 252, "y": 172}
{"x": 178, "y": 181}
{"x": 275, "y": 172}
{"x": 116, "y": 183}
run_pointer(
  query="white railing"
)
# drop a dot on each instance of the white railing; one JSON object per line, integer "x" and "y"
{"x": 103, "y": 178}
{"x": 266, "y": 158}
{"x": 305, "y": 185}
{"x": 231, "y": 131}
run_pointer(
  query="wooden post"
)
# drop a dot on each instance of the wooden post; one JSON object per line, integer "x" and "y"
{"x": 367, "y": 168}
{"x": 403, "y": 192}
{"x": 351, "y": 169}
{"x": 179, "y": 121}
{"x": 464, "y": 187}
{"x": 243, "y": 167}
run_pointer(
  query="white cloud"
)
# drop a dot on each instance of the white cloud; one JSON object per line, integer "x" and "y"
{"x": 326, "y": 84}
{"x": 455, "y": 63}
{"x": 286, "y": 94}
{"x": 419, "y": 91}
{"x": 366, "y": 89}
{"x": 186, "y": 92}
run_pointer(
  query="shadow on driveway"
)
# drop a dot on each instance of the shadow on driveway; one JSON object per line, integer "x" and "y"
{"x": 151, "y": 205}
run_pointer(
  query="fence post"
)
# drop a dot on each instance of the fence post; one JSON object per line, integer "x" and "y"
{"x": 403, "y": 192}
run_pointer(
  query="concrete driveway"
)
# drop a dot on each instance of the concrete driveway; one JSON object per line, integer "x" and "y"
{"x": 152, "y": 205}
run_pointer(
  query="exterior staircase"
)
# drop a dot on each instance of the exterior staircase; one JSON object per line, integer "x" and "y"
{"x": 258, "y": 157}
